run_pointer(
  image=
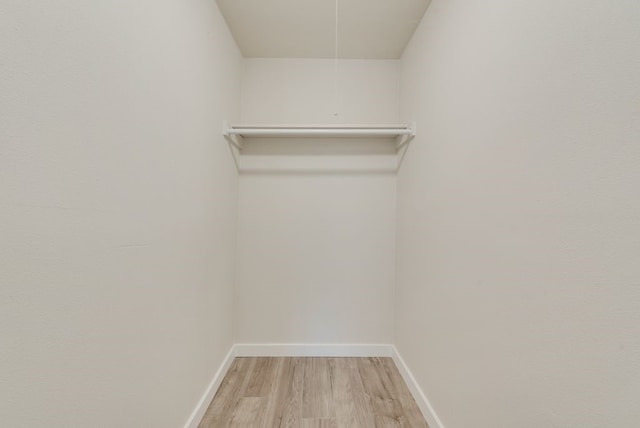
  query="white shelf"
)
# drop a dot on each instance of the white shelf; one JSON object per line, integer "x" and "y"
{"x": 319, "y": 131}
{"x": 277, "y": 147}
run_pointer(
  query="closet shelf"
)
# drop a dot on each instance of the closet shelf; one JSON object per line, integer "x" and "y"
{"x": 236, "y": 132}
{"x": 277, "y": 147}
{"x": 319, "y": 131}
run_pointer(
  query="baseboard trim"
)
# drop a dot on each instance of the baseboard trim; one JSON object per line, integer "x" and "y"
{"x": 421, "y": 399}
{"x": 210, "y": 392}
{"x": 312, "y": 350}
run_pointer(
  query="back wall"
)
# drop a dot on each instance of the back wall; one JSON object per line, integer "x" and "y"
{"x": 316, "y": 249}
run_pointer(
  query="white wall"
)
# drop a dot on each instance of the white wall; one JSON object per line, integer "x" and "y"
{"x": 315, "y": 258}
{"x": 518, "y": 230}
{"x": 117, "y": 209}
{"x": 316, "y": 249}
{"x": 312, "y": 91}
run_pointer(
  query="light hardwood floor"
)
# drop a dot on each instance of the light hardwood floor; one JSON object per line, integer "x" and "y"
{"x": 313, "y": 393}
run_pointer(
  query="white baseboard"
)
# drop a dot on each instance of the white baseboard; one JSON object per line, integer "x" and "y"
{"x": 210, "y": 392}
{"x": 312, "y": 350}
{"x": 421, "y": 399}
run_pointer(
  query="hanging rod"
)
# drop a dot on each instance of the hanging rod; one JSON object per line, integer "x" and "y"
{"x": 354, "y": 131}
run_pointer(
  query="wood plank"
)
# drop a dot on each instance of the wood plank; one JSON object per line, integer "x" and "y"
{"x": 227, "y": 395}
{"x": 362, "y": 402}
{"x": 317, "y": 396}
{"x": 286, "y": 397}
{"x": 290, "y": 407}
{"x": 352, "y": 410}
{"x": 342, "y": 393}
{"x": 381, "y": 391}
{"x": 262, "y": 377}
{"x": 273, "y": 394}
{"x": 409, "y": 406}
{"x": 248, "y": 413}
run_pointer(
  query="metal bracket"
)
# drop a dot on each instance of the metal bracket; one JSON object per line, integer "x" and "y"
{"x": 402, "y": 145}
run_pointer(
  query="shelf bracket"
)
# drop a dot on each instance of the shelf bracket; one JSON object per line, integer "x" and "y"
{"x": 234, "y": 139}
{"x": 403, "y": 140}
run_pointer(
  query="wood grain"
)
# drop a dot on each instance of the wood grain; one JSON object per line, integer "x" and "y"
{"x": 313, "y": 393}
{"x": 318, "y": 423}
{"x": 317, "y": 394}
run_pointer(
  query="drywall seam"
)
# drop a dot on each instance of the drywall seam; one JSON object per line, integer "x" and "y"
{"x": 421, "y": 399}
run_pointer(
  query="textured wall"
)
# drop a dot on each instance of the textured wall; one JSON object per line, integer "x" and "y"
{"x": 519, "y": 213}
{"x": 117, "y": 209}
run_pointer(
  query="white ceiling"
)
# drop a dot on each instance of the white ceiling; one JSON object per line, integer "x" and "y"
{"x": 368, "y": 29}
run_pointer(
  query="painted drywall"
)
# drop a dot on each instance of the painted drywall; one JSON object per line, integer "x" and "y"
{"x": 316, "y": 248}
{"x": 315, "y": 258}
{"x": 518, "y": 213}
{"x": 315, "y": 91}
{"x": 117, "y": 210}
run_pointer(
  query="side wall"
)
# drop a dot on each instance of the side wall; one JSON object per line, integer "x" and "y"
{"x": 117, "y": 209}
{"x": 316, "y": 250}
{"x": 519, "y": 206}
